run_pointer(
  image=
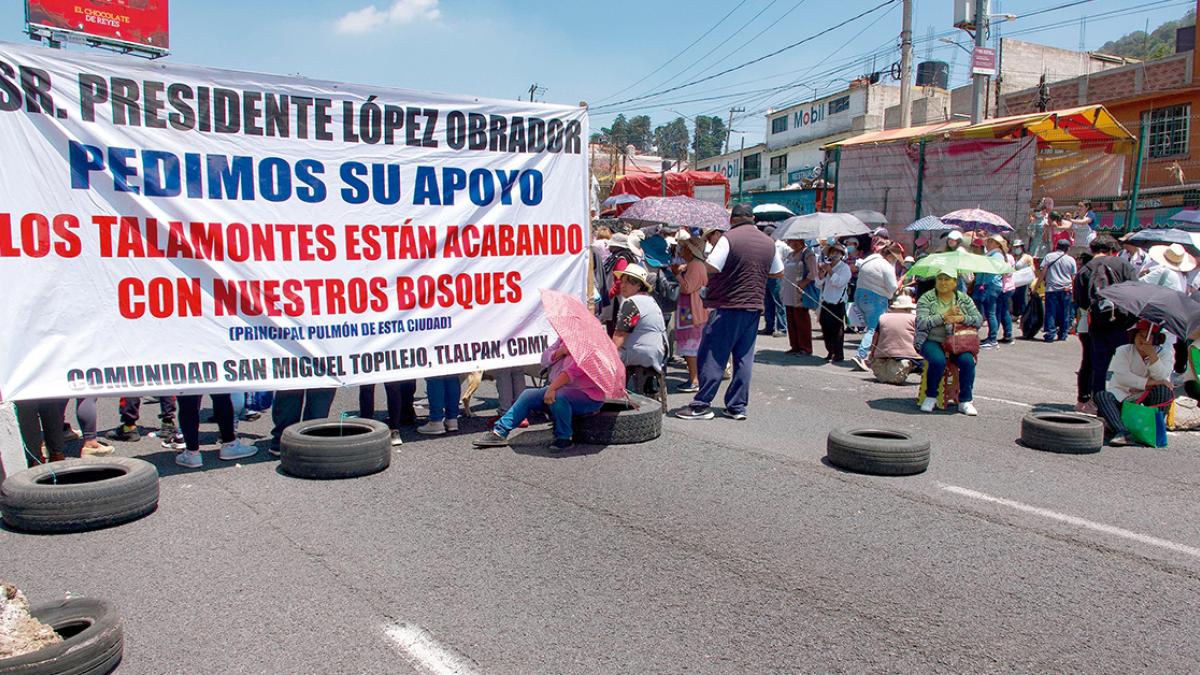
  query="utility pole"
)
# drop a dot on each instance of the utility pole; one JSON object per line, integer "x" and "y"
{"x": 534, "y": 90}
{"x": 906, "y": 67}
{"x": 979, "y": 89}
{"x": 729, "y": 129}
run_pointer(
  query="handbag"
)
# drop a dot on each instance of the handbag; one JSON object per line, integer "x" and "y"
{"x": 1147, "y": 425}
{"x": 964, "y": 340}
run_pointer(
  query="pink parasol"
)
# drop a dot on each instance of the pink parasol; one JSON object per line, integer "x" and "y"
{"x": 680, "y": 212}
{"x": 586, "y": 341}
{"x": 978, "y": 219}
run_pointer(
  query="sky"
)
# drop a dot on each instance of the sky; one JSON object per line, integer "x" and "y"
{"x": 606, "y": 53}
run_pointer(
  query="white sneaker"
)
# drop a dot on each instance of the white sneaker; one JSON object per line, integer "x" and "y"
{"x": 928, "y": 404}
{"x": 860, "y": 364}
{"x": 396, "y": 440}
{"x": 432, "y": 428}
{"x": 235, "y": 449}
{"x": 451, "y": 424}
{"x": 175, "y": 442}
{"x": 967, "y": 409}
{"x": 190, "y": 458}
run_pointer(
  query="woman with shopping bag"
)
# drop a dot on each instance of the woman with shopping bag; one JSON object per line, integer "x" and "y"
{"x": 1139, "y": 375}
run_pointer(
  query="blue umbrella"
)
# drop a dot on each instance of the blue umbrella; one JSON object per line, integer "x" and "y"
{"x": 1187, "y": 216}
{"x": 930, "y": 224}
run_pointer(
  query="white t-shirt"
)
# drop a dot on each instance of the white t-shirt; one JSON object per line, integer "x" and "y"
{"x": 720, "y": 253}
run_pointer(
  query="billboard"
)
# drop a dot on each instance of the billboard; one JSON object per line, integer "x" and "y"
{"x": 130, "y": 24}
{"x": 174, "y": 229}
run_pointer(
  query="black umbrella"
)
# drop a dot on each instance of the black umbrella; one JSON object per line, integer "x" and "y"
{"x": 1167, "y": 307}
{"x": 1165, "y": 236}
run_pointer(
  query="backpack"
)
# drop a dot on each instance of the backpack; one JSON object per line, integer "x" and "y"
{"x": 664, "y": 288}
{"x": 1105, "y": 312}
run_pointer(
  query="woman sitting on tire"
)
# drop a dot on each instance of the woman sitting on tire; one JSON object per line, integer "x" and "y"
{"x": 939, "y": 312}
{"x": 640, "y": 333}
{"x": 570, "y": 393}
{"x": 1140, "y": 372}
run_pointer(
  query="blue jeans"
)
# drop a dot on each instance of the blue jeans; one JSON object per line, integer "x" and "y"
{"x": 872, "y": 305}
{"x": 567, "y": 404}
{"x": 986, "y": 299}
{"x": 444, "y": 394}
{"x": 728, "y": 332}
{"x": 290, "y": 405}
{"x": 1058, "y": 305}
{"x": 935, "y": 356}
{"x": 1004, "y": 313}
{"x": 774, "y": 310}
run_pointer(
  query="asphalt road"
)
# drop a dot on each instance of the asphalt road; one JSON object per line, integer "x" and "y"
{"x": 721, "y": 547}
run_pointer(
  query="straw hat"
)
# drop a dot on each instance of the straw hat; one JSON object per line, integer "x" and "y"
{"x": 1173, "y": 257}
{"x": 636, "y": 273}
{"x": 1001, "y": 241}
{"x": 627, "y": 242}
{"x": 904, "y": 302}
{"x": 693, "y": 244}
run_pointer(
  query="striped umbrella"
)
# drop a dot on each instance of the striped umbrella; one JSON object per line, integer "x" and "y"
{"x": 978, "y": 219}
{"x": 930, "y": 224}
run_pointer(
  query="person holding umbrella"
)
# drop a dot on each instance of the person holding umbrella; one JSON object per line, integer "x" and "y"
{"x": 833, "y": 279}
{"x": 1139, "y": 372}
{"x": 584, "y": 371}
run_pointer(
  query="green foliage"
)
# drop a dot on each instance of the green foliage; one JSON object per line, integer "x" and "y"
{"x": 710, "y": 137}
{"x": 1158, "y": 43}
{"x": 671, "y": 139}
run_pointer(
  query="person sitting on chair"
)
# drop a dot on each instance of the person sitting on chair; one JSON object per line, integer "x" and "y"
{"x": 641, "y": 332}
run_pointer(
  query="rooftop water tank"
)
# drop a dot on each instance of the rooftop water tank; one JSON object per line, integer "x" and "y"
{"x": 933, "y": 74}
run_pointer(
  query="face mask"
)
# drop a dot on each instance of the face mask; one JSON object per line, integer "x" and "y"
{"x": 851, "y": 249}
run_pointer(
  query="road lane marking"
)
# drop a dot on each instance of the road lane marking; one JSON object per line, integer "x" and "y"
{"x": 1004, "y": 400}
{"x": 426, "y": 652}
{"x": 1076, "y": 521}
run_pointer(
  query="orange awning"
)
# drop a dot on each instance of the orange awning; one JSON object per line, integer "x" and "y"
{"x": 1089, "y": 126}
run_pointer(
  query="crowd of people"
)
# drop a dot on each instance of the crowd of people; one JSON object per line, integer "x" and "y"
{"x": 667, "y": 293}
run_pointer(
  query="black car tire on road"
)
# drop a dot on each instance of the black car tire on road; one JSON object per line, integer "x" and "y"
{"x": 93, "y": 641}
{"x": 620, "y": 423}
{"x": 1062, "y": 432}
{"x": 877, "y": 451}
{"x": 79, "y": 494}
{"x": 332, "y": 448}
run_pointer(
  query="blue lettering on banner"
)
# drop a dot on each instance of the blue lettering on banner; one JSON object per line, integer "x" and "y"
{"x": 803, "y": 118}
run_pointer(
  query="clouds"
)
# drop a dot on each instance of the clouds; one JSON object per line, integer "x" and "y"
{"x": 401, "y": 12}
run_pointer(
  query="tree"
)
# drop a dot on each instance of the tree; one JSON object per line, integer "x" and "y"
{"x": 671, "y": 139}
{"x": 1148, "y": 46}
{"x": 710, "y": 137}
{"x": 616, "y": 135}
{"x": 639, "y": 134}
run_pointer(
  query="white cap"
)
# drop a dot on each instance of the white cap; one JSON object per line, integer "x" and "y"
{"x": 954, "y": 234}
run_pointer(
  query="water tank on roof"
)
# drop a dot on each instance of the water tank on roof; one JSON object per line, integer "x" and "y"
{"x": 933, "y": 74}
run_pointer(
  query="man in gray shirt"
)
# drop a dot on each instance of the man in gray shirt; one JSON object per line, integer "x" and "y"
{"x": 1058, "y": 272}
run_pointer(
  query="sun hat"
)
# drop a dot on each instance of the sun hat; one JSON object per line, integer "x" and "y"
{"x": 904, "y": 302}
{"x": 955, "y": 235}
{"x": 909, "y": 259}
{"x": 693, "y": 244}
{"x": 1173, "y": 257}
{"x": 619, "y": 240}
{"x": 637, "y": 273}
{"x": 1001, "y": 241}
{"x": 1018, "y": 243}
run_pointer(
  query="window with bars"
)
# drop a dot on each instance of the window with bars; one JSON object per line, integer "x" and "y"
{"x": 751, "y": 167}
{"x": 1167, "y": 131}
{"x": 778, "y": 165}
{"x": 838, "y": 105}
{"x": 779, "y": 125}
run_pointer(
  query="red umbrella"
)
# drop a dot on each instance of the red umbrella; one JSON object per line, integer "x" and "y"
{"x": 586, "y": 341}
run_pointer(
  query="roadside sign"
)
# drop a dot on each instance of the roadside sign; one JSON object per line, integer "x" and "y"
{"x": 983, "y": 61}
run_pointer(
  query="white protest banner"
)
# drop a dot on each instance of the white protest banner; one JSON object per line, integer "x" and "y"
{"x": 176, "y": 229}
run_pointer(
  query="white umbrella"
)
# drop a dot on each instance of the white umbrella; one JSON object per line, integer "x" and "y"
{"x": 821, "y": 226}
{"x": 621, "y": 199}
{"x": 772, "y": 209}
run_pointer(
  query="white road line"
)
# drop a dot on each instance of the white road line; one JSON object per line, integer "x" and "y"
{"x": 1003, "y": 400}
{"x": 1076, "y": 521}
{"x": 426, "y": 652}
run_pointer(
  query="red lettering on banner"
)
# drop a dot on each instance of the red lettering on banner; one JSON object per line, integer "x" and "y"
{"x": 159, "y": 297}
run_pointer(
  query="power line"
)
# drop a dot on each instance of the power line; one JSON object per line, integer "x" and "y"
{"x": 681, "y": 53}
{"x": 760, "y": 59}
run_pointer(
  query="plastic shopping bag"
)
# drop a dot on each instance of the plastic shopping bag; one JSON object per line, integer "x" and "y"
{"x": 1147, "y": 425}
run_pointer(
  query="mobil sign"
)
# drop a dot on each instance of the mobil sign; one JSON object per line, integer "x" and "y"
{"x": 803, "y": 118}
